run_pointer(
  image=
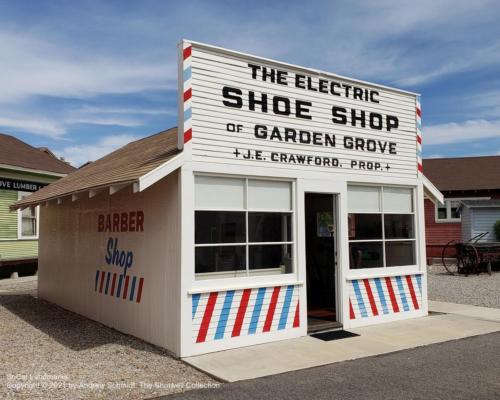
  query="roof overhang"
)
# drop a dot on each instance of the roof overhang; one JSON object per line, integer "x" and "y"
{"x": 432, "y": 192}
{"x": 139, "y": 185}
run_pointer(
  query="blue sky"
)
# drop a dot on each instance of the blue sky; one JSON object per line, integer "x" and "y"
{"x": 85, "y": 77}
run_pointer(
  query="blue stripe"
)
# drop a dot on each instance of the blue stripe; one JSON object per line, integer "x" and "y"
{"x": 361, "y": 303}
{"x": 256, "y": 311}
{"x": 419, "y": 282}
{"x": 196, "y": 301}
{"x": 381, "y": 294}
{"x": 131, "y": 298}
{"x": 187, "y": 74}
{"x": 119, "y": 286}
{"x": 419, "y": 125}
{"x": 286, "y": 307}
{"x": 226, "y": 308}
{"x": 419, "y": 153}
{"x": 97, "y": 279}
{"x": 107, "y": 282}
{"x": 402, "y": 293}
{"x": 187, "y": 114}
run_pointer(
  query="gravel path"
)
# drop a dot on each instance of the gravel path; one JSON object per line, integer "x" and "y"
{"x": 50, "y": 353}
{"x": 477, "y": 290}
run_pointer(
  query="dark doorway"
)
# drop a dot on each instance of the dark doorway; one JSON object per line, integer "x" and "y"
{"x": 321, "y": 226}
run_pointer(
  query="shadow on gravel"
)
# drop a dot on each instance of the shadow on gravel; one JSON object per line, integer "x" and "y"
{"x": 69, "y": 329}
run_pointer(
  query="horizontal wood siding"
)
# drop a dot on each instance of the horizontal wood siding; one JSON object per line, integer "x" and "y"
{"x": 14, "y": 249}
{"x": 8, "y": 219}
{"x": 437, "y": 234}
{"x": 212, "y": 142}
{"x": 482, "y": 221}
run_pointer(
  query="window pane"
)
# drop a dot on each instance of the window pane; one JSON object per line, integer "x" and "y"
{"x": 398, "y": 199}
{"x": 28, "y": 227}
{"x": 28, "y": 221}
{"x": 219, "y": 227}
{"x": 363, "y": 198}
{"x": 366, "y": 255}
{"x": 400, "y": 253}
{"x": 269, "y": 227}
{"x": 270, "y": 259}
{"x": 219, "y": 193}
{"x": 220, "y": 259}
{"x": 441, "y": 214}
{"x": 269, "y": 195}
{"x": 454, "y": 205}
{"x": 365, "y": 226}
{"x": 398, "y": 226}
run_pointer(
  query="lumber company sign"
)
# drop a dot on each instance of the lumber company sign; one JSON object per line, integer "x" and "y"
{"x": 242, "y": 109}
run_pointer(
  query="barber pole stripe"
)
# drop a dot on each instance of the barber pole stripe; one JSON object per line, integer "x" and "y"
{"x": 418, "y": 112}
{"x": 235, "y": 313}
{"x": 105, "y": 283}
{"x": 187, "y": 91}
{"x": 380, "y": 292}
{"x": 241, "y": 312}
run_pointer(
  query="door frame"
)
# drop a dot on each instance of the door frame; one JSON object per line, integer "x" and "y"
{"x": 339, "y": 191}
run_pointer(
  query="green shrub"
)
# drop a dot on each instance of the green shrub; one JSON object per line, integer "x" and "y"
{"x": 496, "y": 227}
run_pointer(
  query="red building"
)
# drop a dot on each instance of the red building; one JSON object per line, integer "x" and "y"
{"x": 471, "y": 178}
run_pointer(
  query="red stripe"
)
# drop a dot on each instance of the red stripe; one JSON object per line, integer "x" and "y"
{"x": 186, "y": 52}
{"x": 419, "y": 139}
{"x": 139, "y": 291}
{"x": 102, "y": 282}
{"x": 187, "y": 94}
{"x": 207, "y": 316}
{"x": 394, "y": 303}
{"x": 241, "y": 312}
{"x": 113, "y": 285}
{"x": 412, "y": 292}
{"x": 272, "y": 308}
{"x": 419, "y": 113}
{"x": 420, "y": 167}
{"x": 125, "y": 289}
{"x": 370, "y": 297}
{"x": 351, "y": 311}
{"x": 188, "y": 135}
{"x": 296, "y": 319}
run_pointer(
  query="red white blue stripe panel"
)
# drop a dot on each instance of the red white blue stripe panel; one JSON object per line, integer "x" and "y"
{"x": 418, "y": 112}
{"x": 187, "y": 91}
{"x": 234, "y": 313}
{"x": 112, "y": 284}
{"x": 376, "y": 297}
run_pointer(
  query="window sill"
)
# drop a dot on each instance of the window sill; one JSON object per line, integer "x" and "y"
{"x": 240, "y": 285}
{"x": 448, "y": 221}
{"x": 368, "y": 273}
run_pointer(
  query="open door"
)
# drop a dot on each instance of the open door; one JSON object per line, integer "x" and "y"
{"x": 321, "y": 228}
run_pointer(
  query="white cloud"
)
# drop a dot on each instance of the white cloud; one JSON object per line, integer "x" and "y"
{"x": 454, "y": 132}
{"x": 31, "y": 67}
{"x": 127, "y": 110}
{"x": 80, "y": 154}
{"x": 37, "y": 126}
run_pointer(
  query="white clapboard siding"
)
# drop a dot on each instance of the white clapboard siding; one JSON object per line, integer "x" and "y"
{"x": 212, "y": 69}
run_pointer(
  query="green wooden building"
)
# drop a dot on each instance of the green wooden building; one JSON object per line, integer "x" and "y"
{"x": 23, "y": 169}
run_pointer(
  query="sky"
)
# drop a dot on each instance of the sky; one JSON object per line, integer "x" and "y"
{"x": 86, "y": 77}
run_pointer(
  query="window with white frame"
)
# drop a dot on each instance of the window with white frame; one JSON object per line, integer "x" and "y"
{"x": 27, "y": 220}
{"x": 381, "y": 227}
{"x": 450, "y": 210}
{"x": 243, "y": 227}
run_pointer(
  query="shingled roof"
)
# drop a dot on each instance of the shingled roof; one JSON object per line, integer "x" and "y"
{"x": 464, "y": 173}
{"x": 16, "y": 153}
{"x": 123, "y": 166}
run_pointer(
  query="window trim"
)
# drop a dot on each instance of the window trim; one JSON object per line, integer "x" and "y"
{"x": 447, "y": 202}
{"x": 20, "y": 235}
{"x": 248, "y": 272}
{"x": 382, "y": 213}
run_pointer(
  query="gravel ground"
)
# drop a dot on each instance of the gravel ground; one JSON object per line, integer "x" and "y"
{"x": 477, "y": 290}
{"x": 50, "y": 353}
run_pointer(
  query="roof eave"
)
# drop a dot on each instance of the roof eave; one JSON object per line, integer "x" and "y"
{"x": 432, "y": 192}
